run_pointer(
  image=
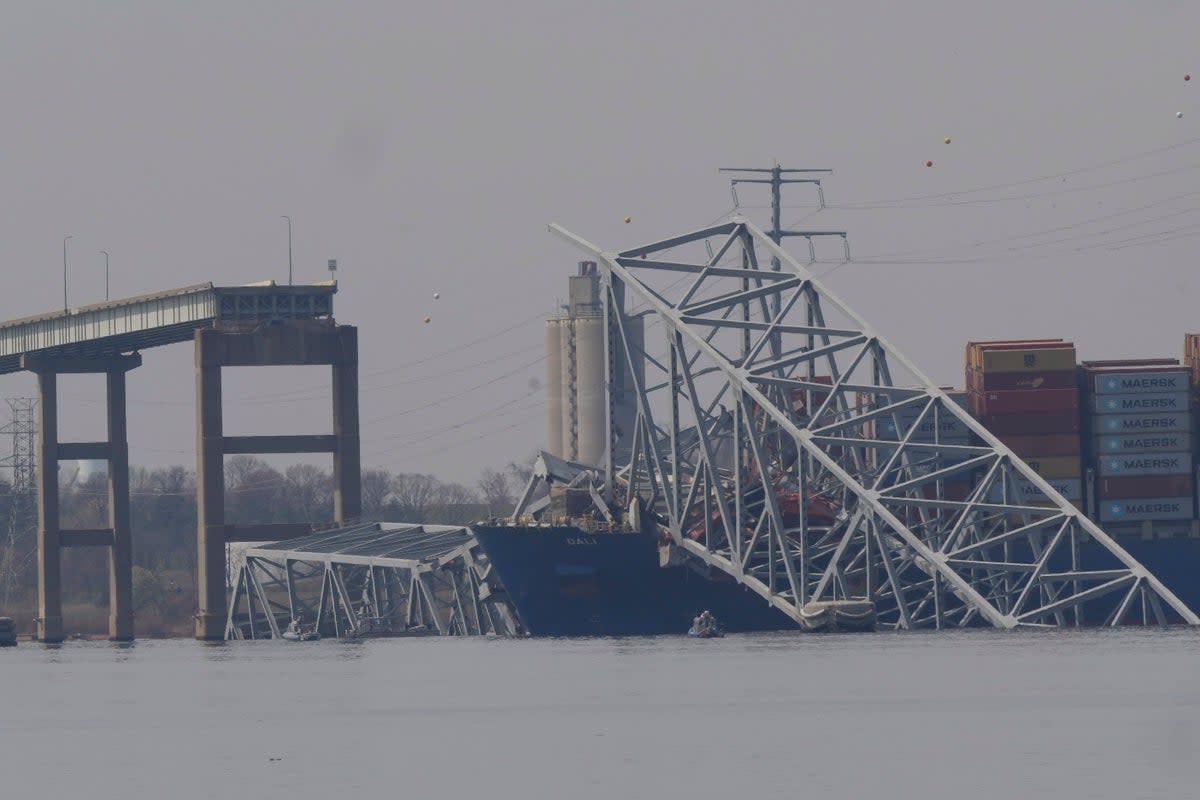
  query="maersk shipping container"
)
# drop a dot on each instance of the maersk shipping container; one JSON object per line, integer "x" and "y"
{"x": 1156, "y": 380}
{"x": 1125, "y": 424}
{"x": 1165, "y": 403}
{"x": 1026, "y": 493}
{"x": 1137, "y": 509}
{"x": 1145, "y": 464}
{"x": 1144, "y": 443}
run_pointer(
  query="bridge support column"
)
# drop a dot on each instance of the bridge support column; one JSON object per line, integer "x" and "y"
{"x": 292, "y": 343}
{"x": 51, "y": 537}
{"x": 49, "y": 546}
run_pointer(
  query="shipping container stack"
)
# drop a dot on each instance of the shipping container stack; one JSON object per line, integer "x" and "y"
{"x": 947, "y": 429}
{"x": 1138, "y": 426}
{"x": 1026, "y": 393}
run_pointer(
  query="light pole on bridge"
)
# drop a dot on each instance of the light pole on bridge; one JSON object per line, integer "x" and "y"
{"x": 289, "y": 219}
{"x": 65, "y": 306}
{"x": 105, "y": 275}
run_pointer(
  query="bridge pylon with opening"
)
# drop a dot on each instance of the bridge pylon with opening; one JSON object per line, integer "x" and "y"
{"x": 782, "y": 440}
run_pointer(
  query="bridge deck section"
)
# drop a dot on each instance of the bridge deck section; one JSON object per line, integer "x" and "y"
{"x": 151, "y": 320}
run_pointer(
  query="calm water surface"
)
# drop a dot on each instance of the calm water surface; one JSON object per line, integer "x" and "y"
{"x": 966, "y": 715}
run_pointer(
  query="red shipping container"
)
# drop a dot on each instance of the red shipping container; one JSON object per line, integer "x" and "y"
{"x": 980, "y": 381}
{"x": 954, "y": 491}
{"x": 1021, "y": 402}
{"x": 1045, "y": 446}
{"x": 1035, "y": 424}
{"x": 1146, "y": 486}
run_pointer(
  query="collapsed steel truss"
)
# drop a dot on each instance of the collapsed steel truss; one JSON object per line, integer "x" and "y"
{"x": 780, "y": 439}
{"x": 376, "y": 579}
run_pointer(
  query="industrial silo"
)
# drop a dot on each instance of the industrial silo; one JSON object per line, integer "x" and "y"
{"x": 554, "y": 386}
{"x": 590, "y": 396}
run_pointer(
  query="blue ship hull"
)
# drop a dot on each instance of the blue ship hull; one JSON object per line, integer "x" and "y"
{"x": 1175, "y": 562}
{"x": 567, "y": 582}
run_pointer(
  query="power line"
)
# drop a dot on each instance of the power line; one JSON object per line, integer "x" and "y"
{"x": 1026, "y": 181}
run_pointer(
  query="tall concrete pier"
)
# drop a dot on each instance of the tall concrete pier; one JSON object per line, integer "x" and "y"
{"x": 51, "y": 536}
{"x": 290, "y": 343}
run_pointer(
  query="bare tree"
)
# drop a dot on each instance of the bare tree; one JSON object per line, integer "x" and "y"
{"x": 308, "y": 494}
{"x": 412, "y": 495}
{"x": 497, "y": 491}
{"x": 376, "y": 489}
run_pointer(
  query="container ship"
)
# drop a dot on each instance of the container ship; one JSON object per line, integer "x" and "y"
{"x": 570, "y": 580}
{"x": 569, "y": 574}
{"x": 1115, "y": 438}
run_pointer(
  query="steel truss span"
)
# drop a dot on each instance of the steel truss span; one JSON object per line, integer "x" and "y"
{"x": 781, "y": 439}
{"x": 375, "y": 579}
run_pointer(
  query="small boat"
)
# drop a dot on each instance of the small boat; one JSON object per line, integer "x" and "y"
{"x": 296, "y": 632}
{"x": 705, "y": 626}
{"x": 706, "y": 633}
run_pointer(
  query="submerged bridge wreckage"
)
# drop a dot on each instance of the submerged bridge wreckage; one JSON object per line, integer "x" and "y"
{"x": 377, "y": 579}
{"x": 780, "y": 439}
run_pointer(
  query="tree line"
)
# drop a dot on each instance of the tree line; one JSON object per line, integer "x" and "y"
{"x": 163, "y": 524}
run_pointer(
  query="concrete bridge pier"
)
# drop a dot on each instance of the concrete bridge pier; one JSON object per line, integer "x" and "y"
{"x": 287, "y": 343}
{"x": 51, "y": 536}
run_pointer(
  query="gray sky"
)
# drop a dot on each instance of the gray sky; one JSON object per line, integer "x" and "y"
{"x": 427, "y": 145}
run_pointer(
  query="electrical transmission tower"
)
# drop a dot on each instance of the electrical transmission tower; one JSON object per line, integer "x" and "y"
{"x": 22, "y": 519}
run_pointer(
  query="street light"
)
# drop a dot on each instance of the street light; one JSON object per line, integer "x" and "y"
{"x": 289, "y": 219}
{"x": 105, "y": 275}
{"x": 65, "y": 306}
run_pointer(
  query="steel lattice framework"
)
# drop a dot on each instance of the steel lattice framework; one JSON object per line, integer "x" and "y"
{"x": 374, "y": 579}
{"x": 781, "y": 439}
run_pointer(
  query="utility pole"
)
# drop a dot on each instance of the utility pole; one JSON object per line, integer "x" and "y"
{"x": 777, "y": 233}
{"x": 776, "y": 181}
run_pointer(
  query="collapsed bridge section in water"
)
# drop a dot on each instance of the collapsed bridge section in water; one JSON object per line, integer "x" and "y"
{"x": 781, "y": 439}
{"x": 374, "y": 579}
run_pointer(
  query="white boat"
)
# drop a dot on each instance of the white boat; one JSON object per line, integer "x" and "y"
{"x": 296, "y": 632}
